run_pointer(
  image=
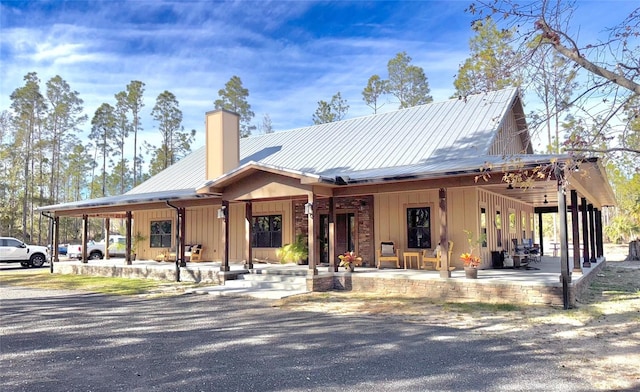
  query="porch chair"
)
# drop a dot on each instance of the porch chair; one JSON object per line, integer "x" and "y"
{"x": 388, "y": 252}
{"x": 437, "y": 260}
{"x": 195, "y": 253}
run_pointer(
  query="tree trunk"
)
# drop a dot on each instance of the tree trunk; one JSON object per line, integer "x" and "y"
{"x": 634, "y": 250}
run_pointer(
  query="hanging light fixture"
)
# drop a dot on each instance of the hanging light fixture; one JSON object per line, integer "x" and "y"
{"x": 545, "y": 200}
{"x": 308, "y": 209}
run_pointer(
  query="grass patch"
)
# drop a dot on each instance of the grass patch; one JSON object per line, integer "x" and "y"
{"x": 469, "y": 307}
{"x": 96, "y": 284}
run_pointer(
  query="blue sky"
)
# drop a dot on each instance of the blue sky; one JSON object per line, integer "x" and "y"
{"x": 289, "y": 54}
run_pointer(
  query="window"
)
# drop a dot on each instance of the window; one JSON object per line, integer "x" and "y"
{"x": 483, "y": 226}
{"x": 512, "y": 222}
{"x": 160, "y": 234}
{"x": 498, "y": 224}
{"x": 419, "y": 227}
{"x": 267, "y": 231}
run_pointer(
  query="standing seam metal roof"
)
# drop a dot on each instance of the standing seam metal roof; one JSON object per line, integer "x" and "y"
{"x": 421, "y": 135}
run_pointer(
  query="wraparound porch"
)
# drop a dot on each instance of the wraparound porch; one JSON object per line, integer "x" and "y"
{"x": 540, "y": 285}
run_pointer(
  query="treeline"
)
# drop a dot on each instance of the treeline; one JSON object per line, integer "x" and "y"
{"x": 42, "y": 160}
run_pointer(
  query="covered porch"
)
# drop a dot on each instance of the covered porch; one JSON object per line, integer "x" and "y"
{"x": 539, "y": 284}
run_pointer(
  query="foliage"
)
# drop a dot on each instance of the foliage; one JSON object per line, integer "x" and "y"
{"x": 407, "y": 82}
{"x": 347, "y": 259}
{"x": 135, "y": 103}
{"x": 266, "y": 126}
{"x": 102, "y": 133}
{"x": 492, "y": 64}
{"x": 621, "y": 229}
{"x": 295, "y": 252}
{"x": 175, "y": 143}
{"x": 608, "y": 66}
{"x": 234, "y": 98}
{"x": 331, "y": 111}
{"x": 376, "y": 87}
{"x": 468, "y": 258}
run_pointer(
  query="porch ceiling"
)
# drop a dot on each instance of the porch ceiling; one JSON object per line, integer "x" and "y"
{"x": 589, "y": 181}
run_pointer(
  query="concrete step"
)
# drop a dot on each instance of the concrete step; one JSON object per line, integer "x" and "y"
{"x": 263, "y": 283}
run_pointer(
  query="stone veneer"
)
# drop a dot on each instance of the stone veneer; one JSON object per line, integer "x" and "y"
{"x": 363, "y": 207}
{"x": 456, "y": 289}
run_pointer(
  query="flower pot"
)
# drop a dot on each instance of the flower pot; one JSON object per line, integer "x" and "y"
{"x": 471, "y": 273}
{"x": 351, "y": 267}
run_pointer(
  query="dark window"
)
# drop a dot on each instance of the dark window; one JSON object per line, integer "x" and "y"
{"x": 267, "y": 231}
{"x": 498, "y": 224}
{"x": 419, "y": 227}
{"x": 483, "y": 226}
{"x": 160, "y": 234}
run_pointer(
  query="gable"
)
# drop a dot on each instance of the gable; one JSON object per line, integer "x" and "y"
{"x": 512, "y": 136}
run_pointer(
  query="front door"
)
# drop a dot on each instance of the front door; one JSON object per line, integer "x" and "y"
{"x": 324, "y": 238}
{"x": 345, "y": 233}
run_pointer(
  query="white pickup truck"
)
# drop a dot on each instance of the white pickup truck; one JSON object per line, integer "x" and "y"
{"x": 96, "y": 250}
{"x": 13, "y": 250}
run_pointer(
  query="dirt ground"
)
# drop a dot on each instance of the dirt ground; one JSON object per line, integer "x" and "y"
{"x": 599, "y": 339}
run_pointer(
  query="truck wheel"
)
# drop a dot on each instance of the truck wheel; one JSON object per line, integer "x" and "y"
{"x": 37, "y": 260}
{"x": 95, "y": 256}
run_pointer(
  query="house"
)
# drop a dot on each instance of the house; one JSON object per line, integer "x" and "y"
{"x": 416, "y": 177}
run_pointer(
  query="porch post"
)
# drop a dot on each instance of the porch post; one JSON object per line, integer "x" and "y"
{"x": 599, "y": 239}
{"x": 313, "y": 234}
{"x": 540, "y": 234}
{"x": 333, "y": 266}
{"x": 248, "y": 220}
{"x": 224, "y": 267}
{"x": 182, "y": 218}
{"x": 575, "y": 231}
{"x": 107, "y": 226}
{"x": 56, "y": 240}
{"x": 127, "y": 247}
{"x": 444, "y": 243}
{"x": 85, "y": 228}
{"x": 564, "y": 245}
{"x": 592, "y": 231}
{"x": 585, "y": 234}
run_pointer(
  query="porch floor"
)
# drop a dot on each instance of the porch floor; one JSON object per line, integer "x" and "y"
{"x": 544, "y": 273}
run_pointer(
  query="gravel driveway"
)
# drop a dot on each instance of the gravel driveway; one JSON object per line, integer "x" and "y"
{"x": 71, "y": 341}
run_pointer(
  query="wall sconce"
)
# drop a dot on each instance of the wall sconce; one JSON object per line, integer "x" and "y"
{"x": 308, "y": 209}
{"x": 363, "y": 204}
{"x": 442, "y": 194}
{"x": 222, "y": 212}
{"x": 545, "y": 200}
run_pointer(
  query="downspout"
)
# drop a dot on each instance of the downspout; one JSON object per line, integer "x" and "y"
{"x": 179, "y": 242}
{"x": 54, "y": 246}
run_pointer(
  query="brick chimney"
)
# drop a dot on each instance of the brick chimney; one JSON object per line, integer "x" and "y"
{"x": 222, "y": 142}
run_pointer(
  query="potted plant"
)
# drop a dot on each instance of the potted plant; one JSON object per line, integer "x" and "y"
{"x": 297, "y": 252}
{"x": 348, "y": 261}
{"x": 137, "y": 239}
{"x": 471, "y": 262}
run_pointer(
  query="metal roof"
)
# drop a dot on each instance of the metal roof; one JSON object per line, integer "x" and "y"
{"x": 428, "y": 141}
{"x": 433, "y": 134}
{"x": 416, "y": 135}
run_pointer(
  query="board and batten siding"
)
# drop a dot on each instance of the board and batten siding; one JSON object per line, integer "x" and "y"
{"x": 202, "y": 226}
{"x": 390, "y": 216}
{"x": 507, "y": 140}
{"x": 142, "y": 224}
{"x": 284, "y": 208}
{"x": 493, "y": 203}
